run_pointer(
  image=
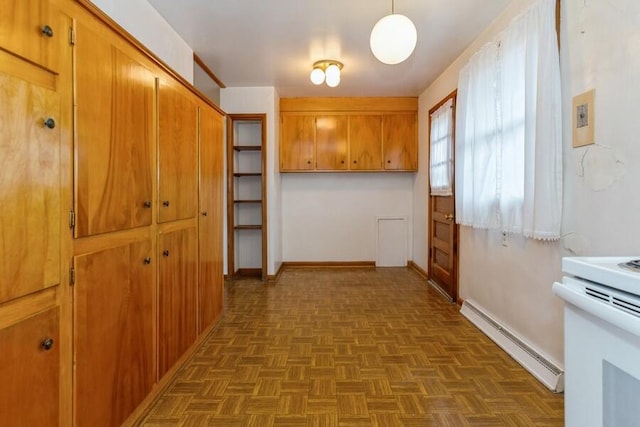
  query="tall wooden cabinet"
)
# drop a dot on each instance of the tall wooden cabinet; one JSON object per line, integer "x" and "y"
{"x": 246, "y": 195}
{"x": 111, "y": 182}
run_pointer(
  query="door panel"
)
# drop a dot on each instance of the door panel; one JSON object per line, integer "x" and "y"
{"x": 331, "y": 143}
{"x": 114, "y": 341}
{"x": 365, "y": 142}
{"x": 400, "y": 142}
{"x": 115, "y": 97}
{"x": 298, "y": 139}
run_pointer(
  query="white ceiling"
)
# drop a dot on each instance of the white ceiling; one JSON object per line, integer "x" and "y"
{"x": 274, "y": 43}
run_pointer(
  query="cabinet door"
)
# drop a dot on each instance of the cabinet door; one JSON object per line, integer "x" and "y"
{"x": 178, "y": 143}
{"x": 114, "y": 327}
{"x": 30, "y": 371}
{"x": 210, "y": 225}
{"x": 297, "y": 141}
{"x": 177, "y": 327}
{"x": 114, "y": 166}
{"x": 400, "y": 141}
{"x": 365, "y": 142}
{"x": 331, "y": 143}
{"x": 32, "y": 29}
{"x": 32, "y": 178}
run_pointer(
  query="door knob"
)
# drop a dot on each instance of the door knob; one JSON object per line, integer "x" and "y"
{"x": 147, "y": 204}
{"x": 165, "y": 203}
{"x": 50, "y": 123}
{"x": 205, "y": 213}
{"x": 147, "y": 260}
{"x": 166, "y": 252}
{"x": 47, "y": 31}
{"x": 47, "y": 344}
{"x": 448, "y": 217}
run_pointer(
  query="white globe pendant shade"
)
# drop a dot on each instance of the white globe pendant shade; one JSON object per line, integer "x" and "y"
{"x": 393, "y": 39}
{"x": 317, "y": 76}
{"x": 332, "y": 75}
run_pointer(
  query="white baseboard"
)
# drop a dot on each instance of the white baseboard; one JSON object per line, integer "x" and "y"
{"x": 532, "y": 360}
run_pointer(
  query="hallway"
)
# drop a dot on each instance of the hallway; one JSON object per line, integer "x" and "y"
{"x": 350, "y": 347}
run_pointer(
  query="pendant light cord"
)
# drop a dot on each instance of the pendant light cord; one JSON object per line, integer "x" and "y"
{"x": 392, "y": 7}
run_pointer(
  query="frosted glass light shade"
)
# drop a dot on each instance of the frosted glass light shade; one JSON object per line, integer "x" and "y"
{"x": 332, "y": 75}
{"x": 317, "y": 76}
{"x": 393, "y": 39}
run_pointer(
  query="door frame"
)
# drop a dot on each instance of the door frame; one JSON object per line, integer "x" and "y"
{"x": 430, "y": 204}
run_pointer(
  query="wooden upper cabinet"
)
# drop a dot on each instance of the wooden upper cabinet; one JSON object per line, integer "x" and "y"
{"x": 114, "y": 150}
{"x": 30, "y": 371}
{"x": 177, "y": 308}
{"x": 400, "y": 141}
{"x": 114, "y": 332}
{"x": 32, "y": 30}
{"x": 331, "y": 142}
{"x": 297, "y": 142}
{"x": 365, "y": 142}
{"x": 178, "y": 153}
{"x": 211, "y": 283}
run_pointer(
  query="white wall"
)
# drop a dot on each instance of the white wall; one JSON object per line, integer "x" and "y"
{"x": 144, "y": 23}
{"x": 601, "y": 193}
{"x": 332, "y": 216}
{"x": 263, "y": 100}
{"x": 205, "y": 84}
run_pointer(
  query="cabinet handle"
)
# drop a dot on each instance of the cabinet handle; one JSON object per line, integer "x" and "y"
{"x": 165, "y": 203}
{"x": 388, "y": 161}
{"x": 355, "y": 161}
{"x": 47, "y": 31}
{"x": 308, "y": 162}
{"x": 47, "y": 344}
{"x": 50, "y": 123}
{"x": 342, "y": 162}
{"x": 147, "y": 204}
{"x": 147, "y": 260}
{"x": 166, "y": 252}
{"x": 205, "y": 213}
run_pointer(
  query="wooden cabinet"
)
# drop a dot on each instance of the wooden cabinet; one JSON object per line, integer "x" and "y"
{"x": 365, "y": 142}
{"x": 115, "y": 107}
{"x": 400, "y": 142}
{"x": 348, "y": 134}
{"x": 297, "y": 142}
{"x": 177, "y": 153}
{"x": 177, "y": 316}
{"x": 331, "y": 142}
{"x": 211, "y": 276}
{"x": 114, "y": 333}
{"x": 30, "y": 371}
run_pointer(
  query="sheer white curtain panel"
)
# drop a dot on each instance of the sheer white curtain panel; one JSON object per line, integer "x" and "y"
{"x": 441, "y": 150}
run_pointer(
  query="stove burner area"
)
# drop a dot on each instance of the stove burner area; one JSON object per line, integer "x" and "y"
{"x": 633, "y": 265}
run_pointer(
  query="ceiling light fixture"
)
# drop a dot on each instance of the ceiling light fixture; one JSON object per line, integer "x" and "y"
{"x": 326, "y": 70}
{"x": 393, "y": 38}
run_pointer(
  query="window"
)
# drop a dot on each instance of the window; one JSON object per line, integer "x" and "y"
{"x": 508, "y": 130}
{"x": 441, "y": 150}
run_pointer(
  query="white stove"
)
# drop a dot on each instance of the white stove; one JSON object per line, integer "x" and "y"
{"x": 602, "y": 340}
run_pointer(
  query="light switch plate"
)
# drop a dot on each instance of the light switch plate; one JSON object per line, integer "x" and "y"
{"x": 583, "y": 119}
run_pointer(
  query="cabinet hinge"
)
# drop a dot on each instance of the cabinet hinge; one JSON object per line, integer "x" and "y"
{"x": 72, "y": 219}
{"x": 72, "y": 276}
{"x": 72, "y": 36}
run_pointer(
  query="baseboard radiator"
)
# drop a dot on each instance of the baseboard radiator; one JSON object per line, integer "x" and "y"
{"x": 538, "y": 365}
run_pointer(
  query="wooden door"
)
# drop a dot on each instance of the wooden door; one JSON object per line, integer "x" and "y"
{"x": 32, "y": 178}
{"x": 178, "y": 153}
{"x": 32, "y": 29}
{"x": 114, "y": 333}
{"x": 114, "y": 158}
{"x": 331, "y": 143}
{"x": 177, "y": 311}
{"x": 210, "y": 224}
{"x": 297, "y": 140}
{"x": 443, "y": 231}
{"x": 30, "y": 371}
{"x": 365, "y": 142}
{"x": 400, "y": 141}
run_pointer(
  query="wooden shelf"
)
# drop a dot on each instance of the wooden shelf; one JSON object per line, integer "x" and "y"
{"x": 247, "y": 148}
{"x": 248, "y": 227}
{"x": 240, "y": 174}
{"x": 247, "y": 201}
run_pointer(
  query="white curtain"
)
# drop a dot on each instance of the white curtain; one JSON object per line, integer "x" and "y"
{"x": 508, "y": 134}
{"x": 441, "y": 150}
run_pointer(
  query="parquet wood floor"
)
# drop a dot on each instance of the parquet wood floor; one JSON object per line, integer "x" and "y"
{"x": 350, "y": 347}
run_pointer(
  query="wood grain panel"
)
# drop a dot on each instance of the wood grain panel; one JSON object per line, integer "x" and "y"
{"x": 348, "y": 104}
{"x": 297, "y": 142}
{"x": 331, "y": 142}
{"x": 178, "y": 151}
{"x": 400, "y": 141}
{"x": 21, "y": 31}
{"x": 211, "y": 283}
{"x": 30, "y": 187}
{"x": 177, "y": 317}
{"x": 114, "y": 166}
{"x": 365, "y": 142}
{"x": 29, "y": 374}
{"x": 114, "y": 326}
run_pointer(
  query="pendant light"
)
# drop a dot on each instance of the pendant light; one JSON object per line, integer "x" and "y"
{"x": 393, "y": 38}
